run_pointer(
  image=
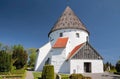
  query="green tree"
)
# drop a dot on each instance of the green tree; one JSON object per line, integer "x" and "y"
{"x": 109, "y": 67}
{"x": 5, "y": 58}
{"x": 32, "y": 57}
{"x": 20, "y": 56}
{"x": 118, "y": 66}
{"x": 5, "y": 61}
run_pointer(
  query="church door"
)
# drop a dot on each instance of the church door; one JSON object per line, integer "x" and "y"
{"x": 87, "y": 67}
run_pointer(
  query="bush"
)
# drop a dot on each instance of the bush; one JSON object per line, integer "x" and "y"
{"x": 48, "y": 72}
{"x": 76, "y": 76}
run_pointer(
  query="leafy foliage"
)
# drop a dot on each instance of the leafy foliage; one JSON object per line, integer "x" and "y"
{"x": 48, "y": 72}
{"x": 5, "y": 61}
{"x": 109, "y": 67}
{"x": 118, "y": 66}
{"x": 32, "y": 57}
{"x": 20, "y": 55}
{"x": 8, "y": 57}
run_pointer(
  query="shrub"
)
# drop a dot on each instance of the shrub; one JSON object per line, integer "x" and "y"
{"x": 76, "y": 76}
{"x": 48, "y": 72}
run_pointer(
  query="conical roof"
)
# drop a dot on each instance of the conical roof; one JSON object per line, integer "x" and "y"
{"x": 68, "y": 20}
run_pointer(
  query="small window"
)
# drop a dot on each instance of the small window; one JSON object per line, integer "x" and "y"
{"x": 77, "y": 35}
{"x": 87, "y": 39}
{"x": 61, "y": 34}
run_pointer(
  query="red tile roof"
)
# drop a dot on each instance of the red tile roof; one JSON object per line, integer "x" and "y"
{"x": 74, "y": 51}
{"x": 60, "y": 43}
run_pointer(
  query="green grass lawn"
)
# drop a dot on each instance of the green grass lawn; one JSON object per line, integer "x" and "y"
{"x": 37, "y": 75}
{"x": 113, "y": 70}
{"x": 64, "y": 76}
{"x": 20, "y": 74}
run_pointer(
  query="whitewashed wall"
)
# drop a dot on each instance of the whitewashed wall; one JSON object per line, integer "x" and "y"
{"x": 71, "y": 34}
{"x": 78, "y": 66}
{"x": 42, "y": 56}
{"x": 58, "y": 60}
{"x": 68, "y": 48}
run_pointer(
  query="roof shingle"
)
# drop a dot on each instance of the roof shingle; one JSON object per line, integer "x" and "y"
{"x": 68, "y": 20}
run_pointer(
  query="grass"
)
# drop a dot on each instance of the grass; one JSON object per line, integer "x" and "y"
{"x": 21, "y": 73}
{"x": 64, "y": 76}
{"x": 37, "y": 75}
{"x": 113, "y": 70}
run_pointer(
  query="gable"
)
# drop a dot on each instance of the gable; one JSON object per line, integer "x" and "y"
{"x": 86, "y": 52}
{"x": 74, "y": 51}
{"x": 60, "y": 43}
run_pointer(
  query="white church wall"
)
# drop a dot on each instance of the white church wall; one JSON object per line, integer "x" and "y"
{"x": 68, "y": 48}
{"x": 77, "y": 66}
{"x": 71, "y": 33}
{"x": 42, "y": 56}
{"x": 97, "y": 66}
{"x": 58, "y": 60}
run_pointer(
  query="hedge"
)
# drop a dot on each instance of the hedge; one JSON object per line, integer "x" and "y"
{"x": 48, "y": 72}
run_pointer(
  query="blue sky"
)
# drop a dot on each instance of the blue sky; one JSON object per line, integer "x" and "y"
{"x": 28, "y": 22}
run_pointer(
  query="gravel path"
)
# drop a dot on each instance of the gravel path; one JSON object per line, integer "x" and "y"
{"x": 29, "y": 75}
{"x": 105, "y": 75}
